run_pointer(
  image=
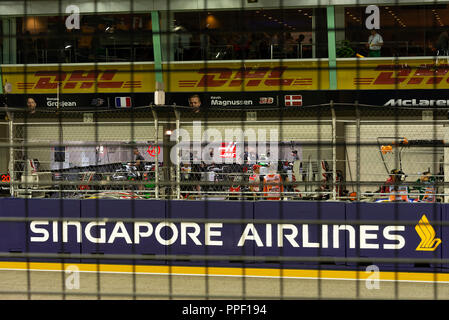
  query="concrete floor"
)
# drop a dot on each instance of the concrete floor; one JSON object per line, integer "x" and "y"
{"x": 15, "y": 284}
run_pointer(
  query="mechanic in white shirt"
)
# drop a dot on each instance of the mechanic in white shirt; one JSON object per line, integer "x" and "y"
{"x": 375, "y": 43}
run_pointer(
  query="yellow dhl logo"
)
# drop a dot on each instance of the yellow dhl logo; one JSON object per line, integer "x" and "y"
{"x": 427, "y": 234}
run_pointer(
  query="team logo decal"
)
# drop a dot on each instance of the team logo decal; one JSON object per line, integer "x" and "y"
{"x": 228, "y": 150}
{"x": 153, "y": 149}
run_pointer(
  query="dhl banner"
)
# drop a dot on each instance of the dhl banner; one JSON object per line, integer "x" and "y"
{"x": 372, "y": 74}
{"x": 178, "y": 77}
{"x": 79, "y": 79}
{"x": 246, "y": 76}
{"x": 375, "y": 74}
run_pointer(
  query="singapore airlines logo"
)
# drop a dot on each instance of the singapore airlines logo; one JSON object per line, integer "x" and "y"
{"x": 427, "y": 235}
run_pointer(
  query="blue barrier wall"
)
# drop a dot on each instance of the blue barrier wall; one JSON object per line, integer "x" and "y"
{"x": 339, "y": 240}
{"x": 309, "y": 241}
{"x": 14, "y": 235}
{"x": 445, "y": 235}
{"x": 394, "y": 212}
{"x": 121, "y": 209}
{"x": 226, "y": 240}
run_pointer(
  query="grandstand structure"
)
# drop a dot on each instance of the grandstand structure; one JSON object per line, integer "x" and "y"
{"x": 249, "y": 137}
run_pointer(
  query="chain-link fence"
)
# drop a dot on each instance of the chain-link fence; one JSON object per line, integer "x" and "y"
{"x": 213, "y": 150}
{"x": 323, "y": 156}
{"x": 74, "y": 158}
{"x": 299, "y": 156}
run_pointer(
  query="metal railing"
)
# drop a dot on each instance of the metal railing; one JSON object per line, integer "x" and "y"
{"x": 318, "y": 178}
{"x": 71, "y": 55}
{"x": 389, "y": 48}
{"x": 229, "y": 52}
{"x": 213, "y": 52}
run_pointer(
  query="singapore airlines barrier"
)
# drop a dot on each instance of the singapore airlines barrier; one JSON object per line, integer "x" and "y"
{"x": 382, "y": 232}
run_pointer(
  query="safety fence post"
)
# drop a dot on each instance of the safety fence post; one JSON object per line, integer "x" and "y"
{"x": 156, "y": 164}
{"x": 178, "y": 155}
{"x": 334, "y": 152}
{"x": 357, "y": 158}
{"x": 11, "y": 154}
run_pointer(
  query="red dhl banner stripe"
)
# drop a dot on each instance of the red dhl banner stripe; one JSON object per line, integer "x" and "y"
{"x": 389, "y": 74}
{"x": 114, "y": 78}
{"x": 253, "y": 76}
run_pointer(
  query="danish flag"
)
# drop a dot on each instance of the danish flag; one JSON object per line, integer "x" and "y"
{"x": 293, "y": 100}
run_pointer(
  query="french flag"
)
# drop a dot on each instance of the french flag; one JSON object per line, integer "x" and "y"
{"x": 122, "y": 102}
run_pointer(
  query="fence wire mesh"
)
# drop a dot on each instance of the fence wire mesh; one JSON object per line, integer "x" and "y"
{"x": 237, "y": 149}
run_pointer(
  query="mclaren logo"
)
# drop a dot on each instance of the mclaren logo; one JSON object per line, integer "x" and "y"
{"x": 416, "y": 103}
{"x": 427, "y": 235}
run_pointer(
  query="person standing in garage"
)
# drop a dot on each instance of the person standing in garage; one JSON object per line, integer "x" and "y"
{"x": 254, "y": 181}
{"x": 139, "y": 165}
